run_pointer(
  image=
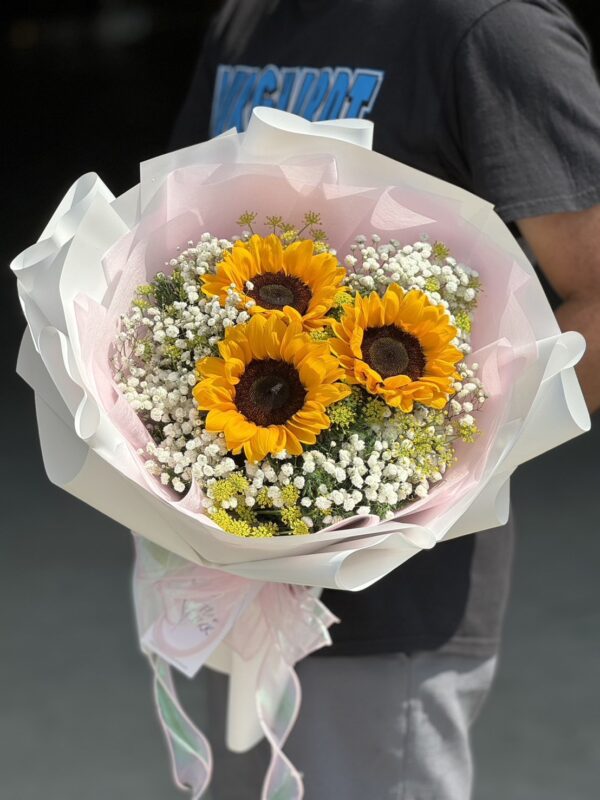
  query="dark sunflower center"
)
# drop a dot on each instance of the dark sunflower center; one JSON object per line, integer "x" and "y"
{"x": 276, "y": 294}
{"x": 391, "y": 351}
{"x": 269, "y": 392}
{"x": 276, "y": 290}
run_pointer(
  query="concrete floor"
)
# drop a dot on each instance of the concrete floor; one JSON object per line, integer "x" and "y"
{"x": 76, "y": 714}
{"x": 539, "y": 736}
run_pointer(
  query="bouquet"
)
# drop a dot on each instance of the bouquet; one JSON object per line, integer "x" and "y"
{"x": 283, "y": 361}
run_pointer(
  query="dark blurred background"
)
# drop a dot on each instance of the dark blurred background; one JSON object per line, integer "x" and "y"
{"x": 96, "y": 86}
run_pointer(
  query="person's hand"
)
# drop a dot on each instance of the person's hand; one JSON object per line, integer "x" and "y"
{"x": 567, "y": 249}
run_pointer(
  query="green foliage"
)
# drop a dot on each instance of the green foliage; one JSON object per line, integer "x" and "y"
{"x": 168, "y": 289}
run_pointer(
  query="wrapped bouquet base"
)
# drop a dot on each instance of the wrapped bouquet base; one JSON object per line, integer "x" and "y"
{"x": 189, "y": 616}
{"x": 307, "y": 398}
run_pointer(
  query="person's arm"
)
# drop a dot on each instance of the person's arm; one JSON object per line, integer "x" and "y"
{"x": 524, "y": 108}
{"x": 567, "y": 248}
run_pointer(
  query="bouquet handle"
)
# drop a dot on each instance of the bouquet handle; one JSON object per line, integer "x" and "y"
{"x": 188, "y": 615}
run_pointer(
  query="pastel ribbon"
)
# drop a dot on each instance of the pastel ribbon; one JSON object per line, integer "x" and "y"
{"x": 184, "y": 612}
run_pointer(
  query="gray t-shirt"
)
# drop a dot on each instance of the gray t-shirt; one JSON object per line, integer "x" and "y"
{"x": 497, "y": 96}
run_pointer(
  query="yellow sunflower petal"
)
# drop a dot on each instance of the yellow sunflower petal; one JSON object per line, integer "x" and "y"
{"x": 257, "y": 337}
{"x": 208, "y": 395}
{"x": 292, "y": 444}
{"x": 217, "y": 419}
{"x": 297, "y": 256}
{"x": 260, "y": 444}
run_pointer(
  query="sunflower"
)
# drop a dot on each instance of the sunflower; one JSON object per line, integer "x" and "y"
{"x": 275, "y": 277}
{"x": 399, "y": 347}
{"x": 270, "y": 387}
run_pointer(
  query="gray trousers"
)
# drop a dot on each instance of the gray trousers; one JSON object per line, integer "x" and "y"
{"x": 388, "y": 727}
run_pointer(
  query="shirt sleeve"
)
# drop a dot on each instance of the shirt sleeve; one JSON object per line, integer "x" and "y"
{"x": 524, "y": 108}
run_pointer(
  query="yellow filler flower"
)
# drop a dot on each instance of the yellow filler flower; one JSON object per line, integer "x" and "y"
{"x": 270, "y": 387}
{"x": 398, "y": 347}
{"x": 277, "y": 277}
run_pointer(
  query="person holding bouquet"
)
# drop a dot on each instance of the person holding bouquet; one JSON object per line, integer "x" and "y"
{"x": 500, "y": 98}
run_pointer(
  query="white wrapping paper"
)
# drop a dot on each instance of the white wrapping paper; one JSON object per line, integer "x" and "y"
{"x": 87, "y": 455}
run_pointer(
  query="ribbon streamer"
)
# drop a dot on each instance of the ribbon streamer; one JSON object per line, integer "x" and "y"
{"x": 184, "y": 612}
